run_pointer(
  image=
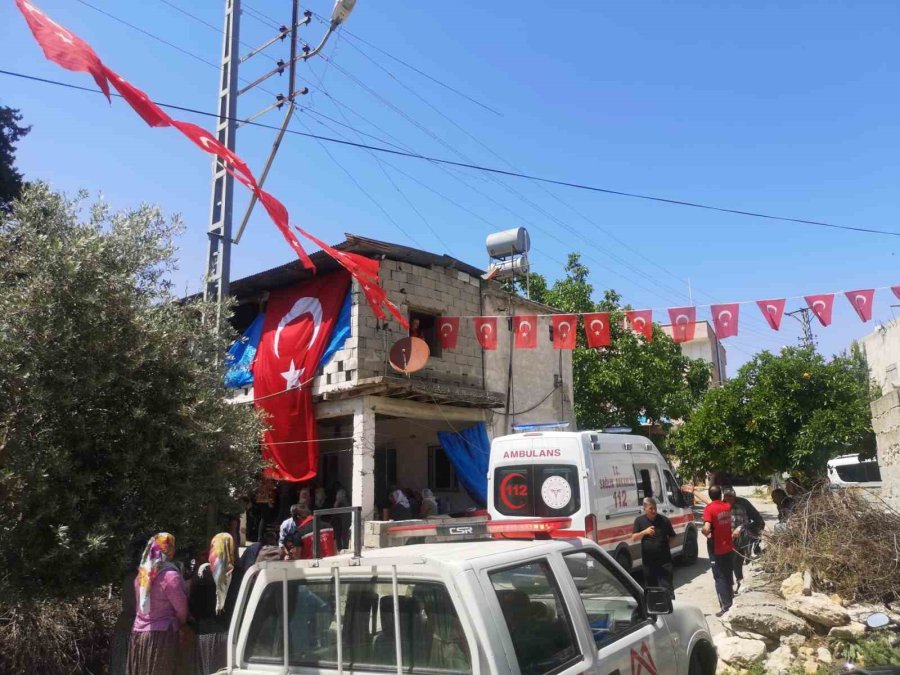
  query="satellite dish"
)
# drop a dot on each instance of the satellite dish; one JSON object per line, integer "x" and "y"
{"x": 409, "y": 354}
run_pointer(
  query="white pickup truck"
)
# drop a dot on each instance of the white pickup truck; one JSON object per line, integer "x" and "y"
{"x": 526, "y": 605}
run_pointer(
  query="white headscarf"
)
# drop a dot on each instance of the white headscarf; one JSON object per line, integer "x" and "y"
{"x": 400, "y": 498}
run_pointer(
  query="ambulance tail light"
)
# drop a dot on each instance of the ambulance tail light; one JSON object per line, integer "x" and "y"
{"x": 539, "y": 528}
{"x": 590, "y": 527}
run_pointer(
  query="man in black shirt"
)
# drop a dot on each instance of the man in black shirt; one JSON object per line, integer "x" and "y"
{"x": 656, "y": 535}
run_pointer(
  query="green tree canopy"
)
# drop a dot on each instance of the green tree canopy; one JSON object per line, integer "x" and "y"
{"x": 10, "y": 133}
{"x": 631, "y": 378}
{"x": 790, "y": 412}
{"x": 113, "y": 418}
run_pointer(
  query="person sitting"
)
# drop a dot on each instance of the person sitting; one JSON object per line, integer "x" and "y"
{"x": 429, "y": 504}
{"x": 300, "y": 514}
{"x": 399, "y": 506}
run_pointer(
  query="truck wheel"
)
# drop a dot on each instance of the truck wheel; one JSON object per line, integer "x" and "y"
{"x": 703, "y": 660}
{"x": 689, "y": 549}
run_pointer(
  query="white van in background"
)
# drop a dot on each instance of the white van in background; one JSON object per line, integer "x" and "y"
{"x": 597, "y": 479}
{"x": 849, "y": 470}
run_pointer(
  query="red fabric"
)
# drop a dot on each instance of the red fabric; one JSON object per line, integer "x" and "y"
{"x": 565, "y": 330}
{"x": 279, "y": 215}
{"x": 821, "y": 306}
{"x": 596, "y": 328}
{"x": 62, "y": 47}
{"x": 684, "y": 323}
{"x": 896, "y": 290}
{"x": 718, "y": 513}
{"x": 204, "y": 140}
{"x": 641, "y": 321}
{"x": 448, "y": 331}
{"x": 725, "y": 319}
{"x": 486, "y": 331}
{"x": 772, "y": 310}
{"x": 151, "y": 113}
{"x": 298, "y": 322}
{"x": 525, "y": 328}
{"x": 365, "y": 271}
{"x": 862, "y": 302}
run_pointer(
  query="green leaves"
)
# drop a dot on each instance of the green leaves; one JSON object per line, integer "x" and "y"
{"x": 112, "y": 412}
{"x": 787, "y": 412}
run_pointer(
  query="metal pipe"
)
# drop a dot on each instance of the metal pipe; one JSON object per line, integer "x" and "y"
{"x": 337, "y": 619}
{"x": 284, "y": 618}
{"x": 281, "y": 35}
{"x": 309, "y": 55}
{"x": 397, "y": 620}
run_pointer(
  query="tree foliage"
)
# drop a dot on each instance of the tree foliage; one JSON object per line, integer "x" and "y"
{"x": 790, "y": 412}
{"x": 10, "y": 133}
{"x": 632, "y": 378}
{"x": 113, "y": 418}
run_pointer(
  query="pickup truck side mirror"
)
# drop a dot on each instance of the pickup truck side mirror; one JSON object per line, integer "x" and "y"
{"x": 658, "y": 601}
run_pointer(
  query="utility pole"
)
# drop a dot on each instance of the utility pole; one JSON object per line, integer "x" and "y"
{"x": 218, "y": 256}
{"x": 802, "y": 315}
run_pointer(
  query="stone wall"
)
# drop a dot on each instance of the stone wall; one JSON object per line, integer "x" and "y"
{"x": 886, "y": 423}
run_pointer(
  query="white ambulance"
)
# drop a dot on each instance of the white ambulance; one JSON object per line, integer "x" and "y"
{"x": 597, "y": 479}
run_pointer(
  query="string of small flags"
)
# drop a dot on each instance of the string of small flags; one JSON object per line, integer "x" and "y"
{"x": 564, "y": 327}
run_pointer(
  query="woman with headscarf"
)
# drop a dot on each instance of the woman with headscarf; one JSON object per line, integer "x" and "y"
{"x": 429, "y": 504}
{"x": 162, "y": 610}
{"x": 399, "y": 506}
{"x": 212, "y": 600}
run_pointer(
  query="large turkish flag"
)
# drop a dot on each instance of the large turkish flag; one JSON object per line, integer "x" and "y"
{"x": 298, "y": 324}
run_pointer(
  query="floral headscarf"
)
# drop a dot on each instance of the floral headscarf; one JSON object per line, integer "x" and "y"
{"x": 158, "y": 555}
{"x": 221, "y": 564}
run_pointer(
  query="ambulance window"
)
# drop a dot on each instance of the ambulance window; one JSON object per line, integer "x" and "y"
{"x": 673, "y": 492}
{"x": 512, "y": 491}
{"x": 611, "y": 606}
{"x": 557, "y": 490}
{"x": 648, "y": 483}
{"x": 265, "y": 640}
{"x": 539, "y": 624}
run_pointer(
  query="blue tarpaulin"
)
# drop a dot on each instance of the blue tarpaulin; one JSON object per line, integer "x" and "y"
{"x": 469, "y": 451}
{"x": 240, "y": 356}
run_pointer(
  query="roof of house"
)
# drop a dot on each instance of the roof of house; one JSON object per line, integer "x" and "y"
{"x": 292, "y": 272}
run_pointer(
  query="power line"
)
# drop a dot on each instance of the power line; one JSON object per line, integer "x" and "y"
{"x": 494, "y": 170}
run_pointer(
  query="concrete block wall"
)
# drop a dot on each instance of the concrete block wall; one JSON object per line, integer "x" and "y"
{"x": 886, "y": 423}
{"x": 533, "y": 370}
{"x": 435, "y": 290}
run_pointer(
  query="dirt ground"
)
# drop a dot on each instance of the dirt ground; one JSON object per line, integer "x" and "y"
{"x": 694, "y": 585}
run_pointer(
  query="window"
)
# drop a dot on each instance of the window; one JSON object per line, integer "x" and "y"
{"x": 648, "y": 483}
{"x": 862, "y": 472}
{"x": 441, "y": 474}
{"x": 542, "y": 490}
{"x": 431, "y": 637}
{"x": 539, "y": 625}
{"x": 611, "y": 606}
{"x": 673, "y": 491}
{"x": 265, "y": 641}
{"x": 424, "y": 325}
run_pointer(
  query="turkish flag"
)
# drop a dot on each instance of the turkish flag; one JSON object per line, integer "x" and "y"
{"x": 641, "y": 321}
{"x": 896, "y": 290}
{"x": 821, "y": 305}
{"x": 365, "y": 271}
{"x": 486, "y": 331}
{"x": 204, "y": 140}
{"x": 63, "y": 47}
{"x": 862, "y": 302}
{"x": 725, "y": 319}
{"x": 279, "y": 215}
{"x": 525, "y": 328}
{"x": 448, "y": 331}
{"x": 772, "y": 310}
{"x": 295, "y": 333}
{"x": 684, "y": 323}
{"x": 565, "y": 327}
{"x": 151, "y": 113}
{"x": 596, "y": 329}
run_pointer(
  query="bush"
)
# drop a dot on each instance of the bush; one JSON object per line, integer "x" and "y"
{"x": 50, "y": 637}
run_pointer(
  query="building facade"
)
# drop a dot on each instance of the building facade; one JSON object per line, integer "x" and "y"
{"x": 882, "y": 350}
{"x": 379, "y": 428}
{"x": 706, "y": 346}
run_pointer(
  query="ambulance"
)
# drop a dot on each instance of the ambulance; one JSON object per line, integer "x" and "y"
{"x": 596, "y": 479}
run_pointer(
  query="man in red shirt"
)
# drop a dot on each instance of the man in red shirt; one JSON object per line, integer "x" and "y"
{"x": 717, "y": 528}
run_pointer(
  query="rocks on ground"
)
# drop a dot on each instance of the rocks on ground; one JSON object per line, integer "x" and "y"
{"x": 736, "y": 651}
{"x": 818, "y": 609}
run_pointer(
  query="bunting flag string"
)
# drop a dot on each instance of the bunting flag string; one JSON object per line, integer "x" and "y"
{"x": 67, "y": 50}
{"x": 563, "y": 328}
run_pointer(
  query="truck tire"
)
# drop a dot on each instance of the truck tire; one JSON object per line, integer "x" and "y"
{"x": 689, "y": 550}
{"x": 703, "y": 660}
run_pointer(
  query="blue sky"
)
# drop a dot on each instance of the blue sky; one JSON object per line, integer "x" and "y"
{"x": 784, "y": 108}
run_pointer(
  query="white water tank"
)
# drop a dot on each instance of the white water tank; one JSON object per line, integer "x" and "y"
{"x": 508, "y": 242}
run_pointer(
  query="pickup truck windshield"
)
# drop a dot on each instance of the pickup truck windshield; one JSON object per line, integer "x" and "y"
{"x": 431, "y": 637}
{"x": 537, "y": 490}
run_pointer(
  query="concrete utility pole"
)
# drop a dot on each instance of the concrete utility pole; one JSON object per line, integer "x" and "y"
{"x": 218, "y": 256}
{"x": 802, "y": 315}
